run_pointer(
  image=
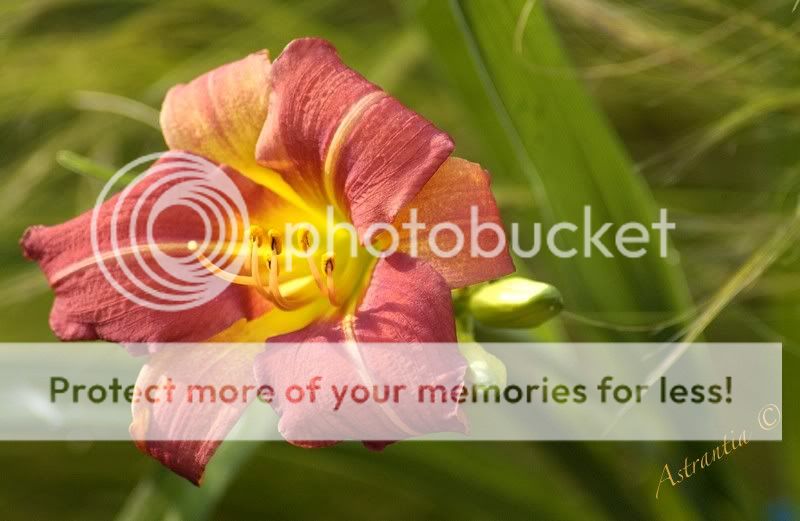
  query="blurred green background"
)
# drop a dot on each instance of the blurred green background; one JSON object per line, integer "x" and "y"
{"x": 690, "y": 105}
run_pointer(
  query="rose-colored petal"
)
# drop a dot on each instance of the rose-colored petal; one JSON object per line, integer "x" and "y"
{"x": 335, "y": 136}
{"x": 407, "y": 302}
{"x": 88, "y": 306}
{"x": 183, "y": 429}
{"x": 219, "y": 115}
{"x": 458, "y": 190}
{"x": 386, "y": 379}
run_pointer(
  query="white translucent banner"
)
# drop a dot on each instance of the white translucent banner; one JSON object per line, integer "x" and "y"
{"x": 387, "y": 392}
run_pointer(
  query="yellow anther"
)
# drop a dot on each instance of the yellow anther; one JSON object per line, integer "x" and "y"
{"x": 268, "y": 285}
{"x": 275, "y": 242}
{"x": 256, "y": 234}
{"x": 305, "y": 244}
{"x": 329, "y": 288}
{"x": 269, "y": 289}
{"x": 328, "y": 263}
{"x": 305, "y": 238}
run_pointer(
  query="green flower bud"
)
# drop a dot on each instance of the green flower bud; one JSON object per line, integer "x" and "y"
{"x": 484, "y": 368}
{"x": 515, "y": 302}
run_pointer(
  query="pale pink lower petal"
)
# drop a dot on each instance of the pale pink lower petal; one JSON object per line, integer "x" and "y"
{"x": 406, "y": 305}
{"x": 183, "y": 429}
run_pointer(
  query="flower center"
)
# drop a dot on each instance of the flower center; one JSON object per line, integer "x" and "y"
{"x": 290, "y": 272}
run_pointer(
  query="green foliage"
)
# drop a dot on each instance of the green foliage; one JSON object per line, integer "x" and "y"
{"x": 565, "y": 150}
{"x": 689, "y": 105}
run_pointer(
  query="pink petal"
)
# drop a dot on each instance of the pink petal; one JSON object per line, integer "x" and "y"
{"x": 182, "y": 434}
{"x": 449, "y": 197}
{"x": 88, "y": 307}
{"x": 334, "y": 135}
{"x": 407, "y": 302}
{"x": 219, "y": 115}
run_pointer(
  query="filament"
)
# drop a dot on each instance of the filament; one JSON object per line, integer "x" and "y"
{"x": 268, "y": 285}
{"x": 305, "y": 243}
{"x": 216, "y": 270}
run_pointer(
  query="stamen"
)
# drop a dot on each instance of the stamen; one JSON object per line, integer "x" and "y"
{"x": 328, "y": 265}
{"x": 255, "y": 268}
{"x": 275, "y": 243}
{"x": 274, "y": 286}
{"x": 305, "y": 240}
{"x": 216, "y": 270}
{"x": 256, "y": 235}
{"x": 271, "y": 289}
{"x": 305, "y": 243}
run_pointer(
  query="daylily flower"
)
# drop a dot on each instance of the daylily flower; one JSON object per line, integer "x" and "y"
{"x": 294, "y": 136}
